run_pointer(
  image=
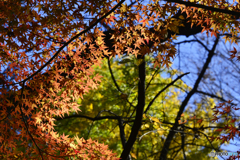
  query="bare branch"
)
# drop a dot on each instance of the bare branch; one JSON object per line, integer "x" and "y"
{"x": 206, "y": 7}
{"x": 140, "y": 107}
{"x": 149, "y": 105}
{"x": 171, "y": 134}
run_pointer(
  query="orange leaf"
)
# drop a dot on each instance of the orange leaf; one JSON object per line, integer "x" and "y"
{"x": 199, "y": 121}
{"x": 218, "y": 130}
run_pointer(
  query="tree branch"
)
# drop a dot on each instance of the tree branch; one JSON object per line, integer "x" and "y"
{"x": 183, "y": 144}
{"x": 26, "y": 124}
{"x": 115, "y": 82}
{"x": 72, "y": 39}
{"x": 90, "y": 118}
{"x": 155, "y": 73}
{"x": 149, "y": 105}
{"x": 140, "y": 107}
{"x": 171, "y": 134}
{"x": 213, "y": 96}
{"x": 206, "y": 7}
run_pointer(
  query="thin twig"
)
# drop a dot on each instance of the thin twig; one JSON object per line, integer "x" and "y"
{"x": 25, "y": 122}
{"x": 149, "y": 105}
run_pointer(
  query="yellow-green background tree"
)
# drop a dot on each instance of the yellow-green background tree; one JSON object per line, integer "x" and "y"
{"x": 104, "y": 109}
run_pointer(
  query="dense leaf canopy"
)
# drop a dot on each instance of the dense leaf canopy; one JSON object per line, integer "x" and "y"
{"x": 47, "y": 49}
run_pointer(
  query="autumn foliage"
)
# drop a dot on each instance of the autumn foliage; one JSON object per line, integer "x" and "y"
{"x": 47, "y": 49}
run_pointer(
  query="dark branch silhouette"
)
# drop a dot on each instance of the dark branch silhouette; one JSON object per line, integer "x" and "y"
{"x": 171, "y": 134}
{"x": 168, "y": 85}
{"x": 206, "y": 7}
{"x": 140, "y": 107}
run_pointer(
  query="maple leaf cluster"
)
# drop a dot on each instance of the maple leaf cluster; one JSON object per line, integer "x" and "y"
{"x": 45, "y": 84}
{"x": 223, "y": 110}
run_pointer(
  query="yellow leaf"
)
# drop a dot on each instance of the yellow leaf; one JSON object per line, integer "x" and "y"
{"x": 133, "y": 155}
{"x": 155, "y": 141}
{"x": 124, "y": 8}
{"x": 160, "y": 132}
{"x": 90, "y": 107}
{"x": 139, "y": 61}
{"x": 38, "y": 120}
{"x": 155, "y": 125}
{"x": 146, "y": 125}
{"x": 72, "y": 145}
{"x": 174, "y": 28}
{"x": 181, "y": 17}
{"x": 155, "y": 120}
{"x": 144, "y": 116}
